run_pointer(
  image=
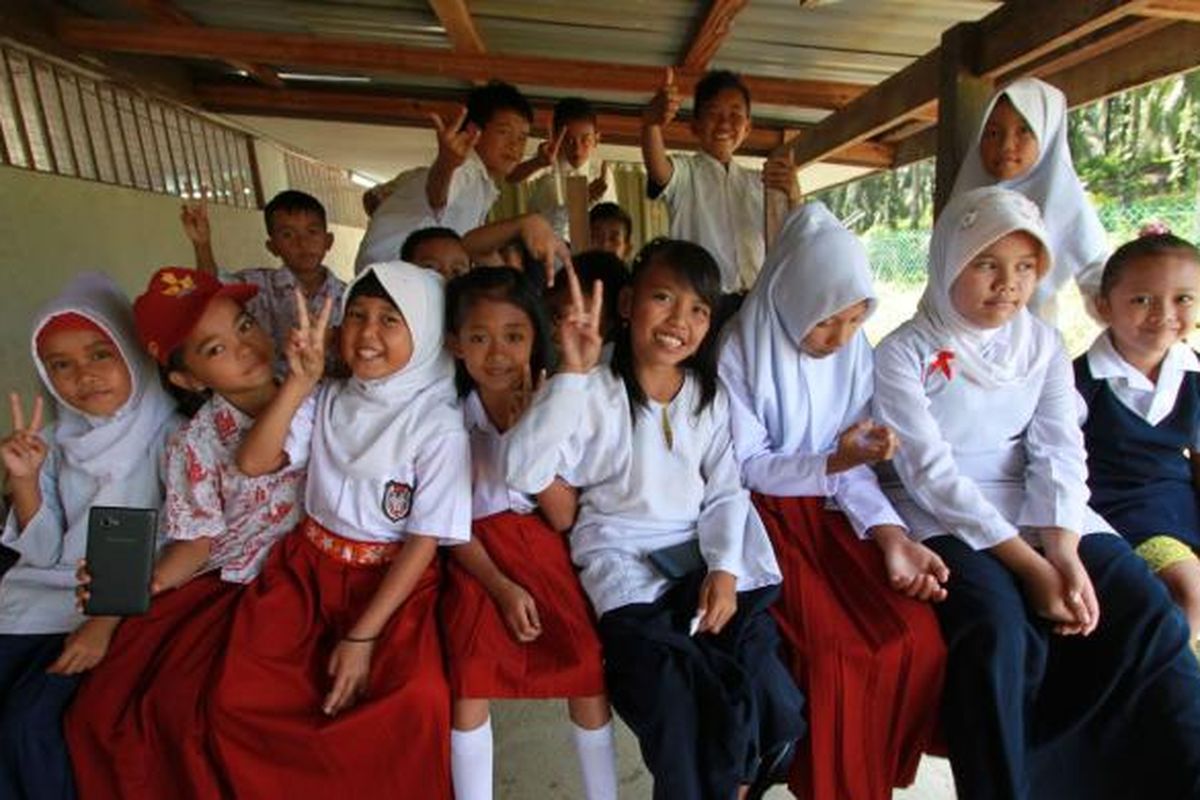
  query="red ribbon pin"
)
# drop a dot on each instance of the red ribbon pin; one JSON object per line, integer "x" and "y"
{"x": 941, "y": 364}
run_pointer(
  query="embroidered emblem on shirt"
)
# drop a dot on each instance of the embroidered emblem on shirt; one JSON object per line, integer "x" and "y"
{"x": 397, "y": 500}
{"x": 941, "y": 364}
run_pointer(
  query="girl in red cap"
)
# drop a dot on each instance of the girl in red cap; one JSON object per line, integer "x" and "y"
{"x": 136, "y": 728}
{"x": 113, "y": 419}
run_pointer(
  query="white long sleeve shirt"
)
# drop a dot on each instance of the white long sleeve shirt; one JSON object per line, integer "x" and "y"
{"x": 982, "y": 465}
{"x": 640, "y": 492}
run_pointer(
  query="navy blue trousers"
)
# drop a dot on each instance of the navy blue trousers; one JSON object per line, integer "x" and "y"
{"x": 1030, "y": 715}
{"x": 34, "y": 764}
{"x": 705, "y": 709}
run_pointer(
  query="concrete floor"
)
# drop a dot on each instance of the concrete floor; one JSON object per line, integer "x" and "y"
{"x": 536, "y": 761}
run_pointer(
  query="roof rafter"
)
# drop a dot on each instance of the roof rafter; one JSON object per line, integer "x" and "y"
{"x": 168, "y": 12}
{"x": 1015, "y": 35}
{"x": 394, "y": 109}
{"x": 713, "y": 31}
{"x": 460, "y": 28}
{"x": 369, "y": 56}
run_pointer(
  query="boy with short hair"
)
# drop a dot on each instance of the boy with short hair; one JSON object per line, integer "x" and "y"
{"x": 713, "y": 201}
{"x": 566, "y": 153}
{"x": 611, "y": 230}
{"x": 298, "y": 235}
{"x": 475, "y": 153}
{"x": 438, "y": 249}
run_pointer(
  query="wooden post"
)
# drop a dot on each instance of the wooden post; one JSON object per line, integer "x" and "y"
{"x": 775, "y": 202}
{"x": 577, "y": 212}
{"x": 962, "y": 96}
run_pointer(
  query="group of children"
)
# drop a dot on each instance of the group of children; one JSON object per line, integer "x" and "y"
{"x": 776, "y": 554}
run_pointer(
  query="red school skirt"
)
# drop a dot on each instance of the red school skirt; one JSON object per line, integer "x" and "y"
{"x": 271, "y": 737}
{"x": 486, "y": 661}
{"x": 869, "y": 659}
{"x": 137, "y": 726}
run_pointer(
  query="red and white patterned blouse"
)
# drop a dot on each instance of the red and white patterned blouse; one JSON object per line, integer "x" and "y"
{"x": 207, "y": 496}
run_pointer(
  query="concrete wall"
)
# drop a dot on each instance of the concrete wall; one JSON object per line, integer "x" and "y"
{"x": 53, "y": 227}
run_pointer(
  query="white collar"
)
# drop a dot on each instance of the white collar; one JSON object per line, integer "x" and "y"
{"x": 729, "y": 168}
{"x": 1105, "y": 363}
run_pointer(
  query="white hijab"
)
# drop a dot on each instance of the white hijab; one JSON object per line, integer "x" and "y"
{"x": 1077, "y": 239}
{"x": 371, "y": 426}
{"x": 815, "y": 269}
{"x": 120, "y": 455}
{"x": 969, "y": 223}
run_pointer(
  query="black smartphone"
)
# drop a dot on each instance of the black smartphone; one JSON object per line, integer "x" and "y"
{"x": 120, "y": 557}
{"x": 679, "y": 560}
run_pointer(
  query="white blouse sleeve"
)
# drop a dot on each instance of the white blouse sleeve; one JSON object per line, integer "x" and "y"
{"x": 549, "y": 438}
{"x": 726, "y": 504}
{"x": 40, "y": 542}
{"x": 298, "y": 443}
{"x": 441, "y": 506}
{"x": 862, "y": 501}
{"x": 925, "y": 461}
{"x": 763, "y": 469}
{"x": 1056, "y": 471}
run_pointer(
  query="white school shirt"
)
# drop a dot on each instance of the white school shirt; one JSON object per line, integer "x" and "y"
{"x": 37, "y": 594}
{"x": 429, "y": 495}
{"x": 549, "y": 193}
{"x": 490, "y": 492}
{"x": 208, "y": 497}
{"x": 720, "y": 209}
{"x": 772, "y": 471}
{"x": 468, "y": 201}
{"x": 274, "y": 307}
{"x": 1152, "y": 401}
{"x": 982, "y": 464}
{"x": 636, "y": 493}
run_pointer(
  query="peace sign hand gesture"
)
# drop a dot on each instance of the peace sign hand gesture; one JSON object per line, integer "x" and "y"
{"x": 23, "y": 452}
{"x": 455, "y": 141}
{"x": 665, "y": 103}
{"x": 305, "y": 349}
{"x": 579, "y": 329}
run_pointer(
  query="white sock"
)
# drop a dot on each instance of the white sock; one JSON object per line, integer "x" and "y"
{"x": 471, "y": 762}
{"x": 597, "y": 761}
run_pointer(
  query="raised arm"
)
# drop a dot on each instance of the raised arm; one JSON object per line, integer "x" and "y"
{"x": 454, "y": 145}
{"x": 194, "y": 218}
{"x": 657, "y": 116}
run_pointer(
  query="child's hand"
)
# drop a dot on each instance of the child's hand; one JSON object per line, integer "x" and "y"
{"x": 718, "y": 601}
{"x": 1061, "y": 548}
{"x": 83, "y": 582}
{"x": 455, "y": 142}
{"x": 520, "y": 612}
{"x": 912, "y": 568}
{"x": 194, "y": 217}
{"x": 543, "y": 243}
{"x": 350, "y": 668}
{"x": 580, "y": 341}
{"x": 85, "y": 647}
{"x": 23, "y": 452}
{"x": 665, "y": 103}
{"x": 598, "y": 187}
{"x": 779, "y": 173}
{"x": 305, "y": 349}
{"x": 522, "y": 396}
{"x": 1046, "y": 593}
{"x": 864, "y": 442}
{"x": 547, "y": 151}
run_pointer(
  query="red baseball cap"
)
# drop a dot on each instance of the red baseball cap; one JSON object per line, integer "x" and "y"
{"x": 173, "y": 303}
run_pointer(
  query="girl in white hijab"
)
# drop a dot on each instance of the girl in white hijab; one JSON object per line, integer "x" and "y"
{"x": 113, "y": 419}
{"x": 1068, "y": 672}
{"x": 334, "y": 683}
{"x": 1022, "y": 145}
{"x": 799, "y": 373}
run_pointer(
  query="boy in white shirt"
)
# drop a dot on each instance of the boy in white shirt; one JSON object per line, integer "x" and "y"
{"x": 567, "y": 153}
{"x": 714, "y": 201}
{"x": 475, "y": 153}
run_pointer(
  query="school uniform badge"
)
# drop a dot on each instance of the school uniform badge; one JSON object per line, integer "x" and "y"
{"x": 397, "y": 500}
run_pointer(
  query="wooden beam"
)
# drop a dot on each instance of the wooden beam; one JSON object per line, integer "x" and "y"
{"x": 366, "y": 56}
{"x": 1017, "y": 33}
{"x": 1089, "y": 48}
{"x": 392, "y": 109}
{"x": 713, "y": 30}
{"x": 167, "y": 12}
{"x": 1188, "y": 10}
{"x": 460, "y": 28}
